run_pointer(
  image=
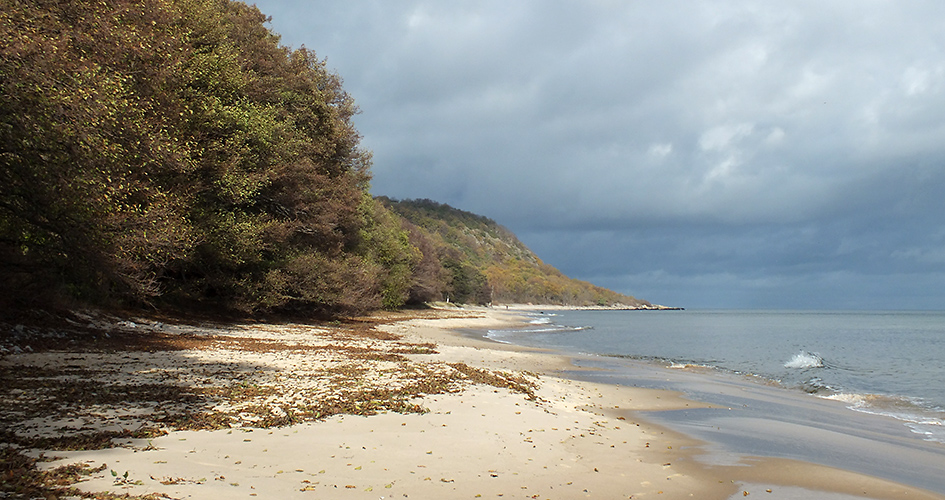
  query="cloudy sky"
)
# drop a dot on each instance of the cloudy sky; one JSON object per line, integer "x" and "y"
{"x": 714, "y": 154}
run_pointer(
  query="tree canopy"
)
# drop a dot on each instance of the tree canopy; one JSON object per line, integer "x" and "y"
{"x": 172, "y": 150}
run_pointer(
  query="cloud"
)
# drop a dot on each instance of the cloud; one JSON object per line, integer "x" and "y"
{"x": 713, "y": 139}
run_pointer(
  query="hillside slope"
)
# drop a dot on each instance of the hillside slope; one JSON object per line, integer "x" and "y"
{"x": 483, "y": 262}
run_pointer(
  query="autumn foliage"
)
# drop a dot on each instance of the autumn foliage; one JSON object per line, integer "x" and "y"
{"x": 483, "y": 262}
{"x": 171, "y": 153}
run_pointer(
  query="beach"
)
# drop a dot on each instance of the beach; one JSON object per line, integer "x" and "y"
{"x": 402, "y": 405}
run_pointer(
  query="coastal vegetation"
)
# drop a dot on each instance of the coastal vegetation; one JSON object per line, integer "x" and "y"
{"x": 481, "y": 261}
{"x": 171, "y": 154}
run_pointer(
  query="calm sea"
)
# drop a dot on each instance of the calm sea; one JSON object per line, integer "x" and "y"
{"x": 887, "y": 363}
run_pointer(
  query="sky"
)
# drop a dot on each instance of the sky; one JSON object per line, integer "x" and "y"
{"x": 712, "y": 154}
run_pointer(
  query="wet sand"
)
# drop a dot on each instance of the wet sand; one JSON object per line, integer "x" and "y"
{"x": 750, "y": 419}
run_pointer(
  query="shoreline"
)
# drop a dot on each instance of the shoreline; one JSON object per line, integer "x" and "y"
{"x": 799, "y": 478}
{"x": 559, "y": 307}
{"x": 763, "y": 418}
{"x": 535, "y": 434}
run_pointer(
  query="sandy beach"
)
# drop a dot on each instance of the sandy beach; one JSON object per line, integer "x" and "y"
{"x": 395, "y": 406}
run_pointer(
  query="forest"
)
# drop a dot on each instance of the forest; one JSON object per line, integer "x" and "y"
{"x": 173, "y": 155}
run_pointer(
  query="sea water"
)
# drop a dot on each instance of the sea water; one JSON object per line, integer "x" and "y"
{"x": 881, "y": 362}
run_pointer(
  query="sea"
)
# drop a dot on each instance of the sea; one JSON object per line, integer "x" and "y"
{"x": 889, "y": 363}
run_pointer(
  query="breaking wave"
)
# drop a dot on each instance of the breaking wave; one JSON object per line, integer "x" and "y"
{"x": 804, "y": 360}
{"x": 506, "y": 336}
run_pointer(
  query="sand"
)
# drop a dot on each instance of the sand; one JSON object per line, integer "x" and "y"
{"x": 528, "y": 433}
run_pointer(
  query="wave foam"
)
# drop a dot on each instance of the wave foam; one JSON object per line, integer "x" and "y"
{"x": 805, "y": 359}
{"x": 917, "y": 417}
{"x": 849, "y": 398}
{"x": 503, "y": 335}
{"x": 557, "y": 329}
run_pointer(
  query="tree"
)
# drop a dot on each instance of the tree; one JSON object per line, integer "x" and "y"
{"x": 171, "y": 151}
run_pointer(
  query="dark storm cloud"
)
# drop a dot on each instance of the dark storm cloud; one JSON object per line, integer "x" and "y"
{"x": 726, "y": 153}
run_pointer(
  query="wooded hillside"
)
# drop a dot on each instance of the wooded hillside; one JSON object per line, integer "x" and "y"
{"x": 172, "y": 154}
{"x": 171, "y": 151}
{"x": 484, "y": 262}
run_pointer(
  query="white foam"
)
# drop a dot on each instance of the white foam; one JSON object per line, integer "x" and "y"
{"x": 915, "y": 416}
{"x": 848, "y": 398}
{"x": 690, "y": 366}
{"x": 805, "y": 359}
{"x": 556, "y": 329}
{"x": 539, "y": 327}
{"x": 496, "y": 336}
{"x": 933, "y": 431}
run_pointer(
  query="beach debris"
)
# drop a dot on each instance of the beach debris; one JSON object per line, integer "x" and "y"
{"x": 356, "y": 377}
